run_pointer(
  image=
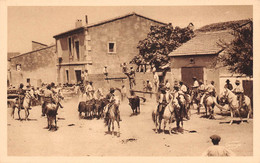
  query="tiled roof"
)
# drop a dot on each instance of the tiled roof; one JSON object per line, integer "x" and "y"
{"x": 108, "y": 21}
{"x": 204, "y": 43}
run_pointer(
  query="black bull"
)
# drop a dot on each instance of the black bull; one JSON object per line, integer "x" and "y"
{"x": 134, "y": 102}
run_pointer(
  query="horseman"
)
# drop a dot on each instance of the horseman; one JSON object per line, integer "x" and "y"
{"x": 21, "y": 95}
{"x": 184, "y": 90}
{"x": 164, "y": 100}
{"x": 48, "y": 98}
{"x": 201, "y": 89}
{"x": 89, "y": 90}
{"x": 209, "y": 91}
{"x": 195, "y": 86}
{"x": 239, "y": 91}
{"x": 110, "y": 97}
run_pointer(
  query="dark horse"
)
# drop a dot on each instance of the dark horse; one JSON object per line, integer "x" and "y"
{"x": 134, "y": 102}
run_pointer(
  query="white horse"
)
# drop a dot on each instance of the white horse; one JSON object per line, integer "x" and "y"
{"x": 168, "y": 115}
{"x": 234, "y": 104}
{"x": 26, "y": 105}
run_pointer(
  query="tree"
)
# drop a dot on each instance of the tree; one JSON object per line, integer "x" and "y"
{"x": 160, "y": 41}
{"x": 238, "y": 55}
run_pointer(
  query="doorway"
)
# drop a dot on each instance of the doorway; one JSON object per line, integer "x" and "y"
{"x": 78, "y": 75}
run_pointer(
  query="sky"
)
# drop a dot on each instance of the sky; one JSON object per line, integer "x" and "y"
{"x": 41, "y": 23}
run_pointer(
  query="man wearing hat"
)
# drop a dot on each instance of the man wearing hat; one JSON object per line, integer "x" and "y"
{"x": 195, "y": 83}
{"x": 48, "y": 95}
{"x": 216, "y": 149}
{"x": 228, "y": 85}
{"x": 209, "y": 91}
{"x": 239, "y": 91}
{"x": 164, "y": 100}
{"x": 183, "y": 87}
{"x": 149, "y": 87}
{"x": 89, "y": 90}
{"x": 111, "y": 100}
{"x": 21, "y": 94}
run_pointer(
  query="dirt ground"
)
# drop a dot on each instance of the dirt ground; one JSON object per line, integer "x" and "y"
{"x": 85, "y": 137}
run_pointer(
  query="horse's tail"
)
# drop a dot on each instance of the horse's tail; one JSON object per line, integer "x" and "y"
{"x": 216, "y": 103}
{"x": 144, "y": 99}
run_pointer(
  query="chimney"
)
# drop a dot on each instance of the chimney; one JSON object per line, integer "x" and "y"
{"x": 86, "y": 19}
{"x": 78, "y": 23}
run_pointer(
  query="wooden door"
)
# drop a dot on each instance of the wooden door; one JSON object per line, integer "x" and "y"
{"x": 188, "y": 72}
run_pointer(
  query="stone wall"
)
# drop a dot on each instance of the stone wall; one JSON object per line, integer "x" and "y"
{"x": 125, "y": 33}
{"x": 38, "y": 66}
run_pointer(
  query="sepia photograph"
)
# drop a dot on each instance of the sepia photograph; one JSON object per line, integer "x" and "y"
{"x": 129, "y": 81}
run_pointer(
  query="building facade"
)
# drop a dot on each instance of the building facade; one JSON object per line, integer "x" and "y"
{"x": 34, "y": 67}
{"x": 93, "y": 46}
{"x": 198, "y": 58}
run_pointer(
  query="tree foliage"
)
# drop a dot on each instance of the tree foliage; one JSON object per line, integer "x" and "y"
{"x": 238, "y": 56}
{"x": 160, "y": 41}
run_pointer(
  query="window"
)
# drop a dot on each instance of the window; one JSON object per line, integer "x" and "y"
{"x": 18, "y": 67}
{"x": 111, "y": 47}
{"x": 67, "y": 75}
{"x": 77, "y": 48}
{"x": 70, "y": 54}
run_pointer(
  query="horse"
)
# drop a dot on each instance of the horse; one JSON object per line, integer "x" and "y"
{"x": 169, "y": 116}
{"x": 51, "y": 111}
{"x": 26, "y": 105}
{"x": 113, "y": 116}
{"x": 134, "y": 102}
{"x": 209, "y": 105}
{"x": 234, "y": 105}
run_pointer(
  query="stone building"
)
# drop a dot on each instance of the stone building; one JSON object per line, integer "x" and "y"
{"x": 93, "y": 46}
{"x": 34, "y": 67}
{"x": 198, "y": 57}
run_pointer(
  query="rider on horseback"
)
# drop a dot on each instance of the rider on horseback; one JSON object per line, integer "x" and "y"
{"x": 239, "y": 91}
{"x": 21, "y": 95}
{"x": 164, "y": 100}
{"x": 209, "y": 91}
{"x": 111, "y": 101}
{"x": 48, "y": 98}
{"x": 201, "y": 89}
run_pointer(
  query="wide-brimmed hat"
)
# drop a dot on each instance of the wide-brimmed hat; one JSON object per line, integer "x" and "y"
{"x": 112, "y": 89}
{"x": 227, "y": 81}
{"x": 200, "y": 81}
{"x": 237, "y": 82}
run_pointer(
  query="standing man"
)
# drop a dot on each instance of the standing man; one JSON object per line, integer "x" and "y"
{"x": 89, "y": 90}
{"x": 228, "y": 85}
{"x": 132, "y": 75}
{"x": 201, "y": 91}
{"x": 105, "y": 72}
{"x": 155, "y": 80}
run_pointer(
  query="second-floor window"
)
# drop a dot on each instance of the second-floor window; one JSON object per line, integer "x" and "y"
{"x": 111, "y": 47}
{"x": 77, "y": 49}
{"x": 70, "y": 48}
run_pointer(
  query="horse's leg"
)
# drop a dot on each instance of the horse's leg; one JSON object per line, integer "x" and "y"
{"x": 55, "y": 122}
{"x": 169, "y": 123}
{"x": 113, "y": 127}
{"x": 12, "y": 114}
{"x": 28, "y": 113}
{"x": 19, "y": 113}
{"x": 79, "y": 115}
{"x": 118, "y": 125}
{"x": 231, "y": 115}
{"x": 164, "y": 124}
